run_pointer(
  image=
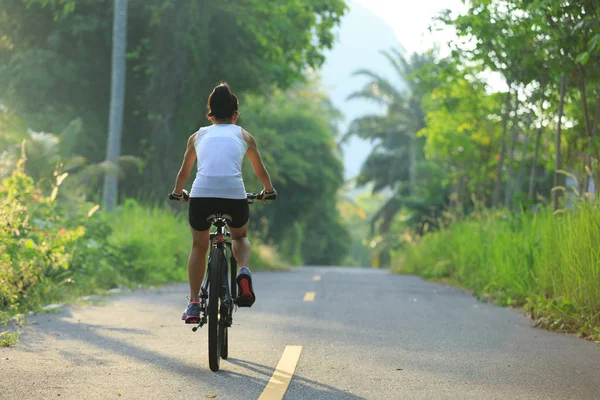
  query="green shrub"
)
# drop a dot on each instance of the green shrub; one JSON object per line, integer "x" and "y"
{"x": 97, "y": 264}
{"x": 36, "y": 245}
{"x": 9, "y": 338}
{"x": 548, "y": 262}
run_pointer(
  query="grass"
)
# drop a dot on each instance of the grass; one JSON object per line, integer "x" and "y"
{"x": 547, "y": 263}
{"x": 153, "y": 243}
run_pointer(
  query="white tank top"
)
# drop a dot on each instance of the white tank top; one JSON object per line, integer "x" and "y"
{"x": 220, "y": 151}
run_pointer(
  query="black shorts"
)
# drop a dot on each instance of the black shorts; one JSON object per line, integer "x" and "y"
{"x": 201, "y": 207}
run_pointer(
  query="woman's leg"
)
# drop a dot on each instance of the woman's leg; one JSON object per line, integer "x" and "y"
{"x": 240, "y": 245}
{"x": 197, "y": 262}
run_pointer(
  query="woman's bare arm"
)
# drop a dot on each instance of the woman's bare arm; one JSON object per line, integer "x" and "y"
{"x": 256, "y": 160}
{"x": 187, "y": 165}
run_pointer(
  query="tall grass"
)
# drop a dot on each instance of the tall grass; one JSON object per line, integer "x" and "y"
{"x": 154, "y": 244}
{"x": 549, "y": 263}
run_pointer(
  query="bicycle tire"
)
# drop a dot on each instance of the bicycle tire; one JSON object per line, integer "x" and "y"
{"x": 214, "y": 305}
{"x": 224, "y": 339}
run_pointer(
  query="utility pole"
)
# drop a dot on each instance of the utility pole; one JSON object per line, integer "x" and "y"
{"x": 117, "y": 102}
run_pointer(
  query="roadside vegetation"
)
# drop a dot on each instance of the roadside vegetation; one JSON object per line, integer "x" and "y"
{"x": 492, "y": 188}
{"x": 547, "y": 263}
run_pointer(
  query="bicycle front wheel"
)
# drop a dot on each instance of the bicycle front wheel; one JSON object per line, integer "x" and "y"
{"x": 214, "y": 304}
{"x": 224, "y": 341}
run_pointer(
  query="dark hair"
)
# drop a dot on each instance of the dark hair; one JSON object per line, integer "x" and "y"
{"x": 222, "y": 103}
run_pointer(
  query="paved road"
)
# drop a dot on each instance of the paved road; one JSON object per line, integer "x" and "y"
{"x": 366, "y": 335}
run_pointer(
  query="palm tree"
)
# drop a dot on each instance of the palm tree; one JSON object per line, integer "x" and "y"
{"x": 393, "y": 161}
{"x": 45, "y": 155}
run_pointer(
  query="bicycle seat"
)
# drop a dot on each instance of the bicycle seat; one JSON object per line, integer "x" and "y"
{"x": 215, "y": 219}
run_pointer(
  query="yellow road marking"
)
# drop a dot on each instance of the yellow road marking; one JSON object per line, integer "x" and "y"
{"x": 279, "y": 382}
{"x": 309, "y": 296}
{"x": 317, "y": 278}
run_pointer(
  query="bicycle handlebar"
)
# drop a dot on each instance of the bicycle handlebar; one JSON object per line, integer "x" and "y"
{"x": 185, "y": 196}
{"x": 260, "y": 196}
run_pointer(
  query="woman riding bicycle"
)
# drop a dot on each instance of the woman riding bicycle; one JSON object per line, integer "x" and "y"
{"x": 219, "y": 188}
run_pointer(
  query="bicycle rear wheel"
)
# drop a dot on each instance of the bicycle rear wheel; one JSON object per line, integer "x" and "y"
{"x": 214, "y": 305}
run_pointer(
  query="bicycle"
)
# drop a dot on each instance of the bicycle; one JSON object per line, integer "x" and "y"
{"x": 218, "y": 292}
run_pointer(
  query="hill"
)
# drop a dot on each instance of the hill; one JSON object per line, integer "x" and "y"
{"x": 361, "y": 37}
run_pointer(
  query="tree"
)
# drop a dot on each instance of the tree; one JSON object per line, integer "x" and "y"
{"x": 117, "y": 97}
{"x": 538, "y": 135}
{"x": 556, "y": 194}
{"x": 575, "y": 40}
{"x": 357, "y": 212}
{"x": 47, "y": 155}
{"x": 294, "y": 130}
{"x": 505, "y": 43}
{"x": 393, "y": 162}
{"x": 177, "y": 52}
{"x": 462, "y": 130}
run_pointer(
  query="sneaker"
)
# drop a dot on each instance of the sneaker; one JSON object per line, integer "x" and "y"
{"x": 192, "y": 314}
{"x": 246, "y": 296}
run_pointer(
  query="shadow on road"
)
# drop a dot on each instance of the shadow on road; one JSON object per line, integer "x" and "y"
{"x": 228, "y": 382}
{"x": 306, "y": 387}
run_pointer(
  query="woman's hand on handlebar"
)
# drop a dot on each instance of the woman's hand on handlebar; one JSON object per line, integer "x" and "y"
{"x": 262, "y": 196}
{"x": 268, "y": 195}
{"x": 183, "y": 196}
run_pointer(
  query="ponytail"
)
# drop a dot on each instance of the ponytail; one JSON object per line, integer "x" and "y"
{"x": 222, "y": 103}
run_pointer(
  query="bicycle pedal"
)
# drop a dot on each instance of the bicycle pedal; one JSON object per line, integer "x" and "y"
{"x": 194, "y": 329}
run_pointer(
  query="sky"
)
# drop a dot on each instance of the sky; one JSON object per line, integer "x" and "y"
{"x": 410, "y": 21}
